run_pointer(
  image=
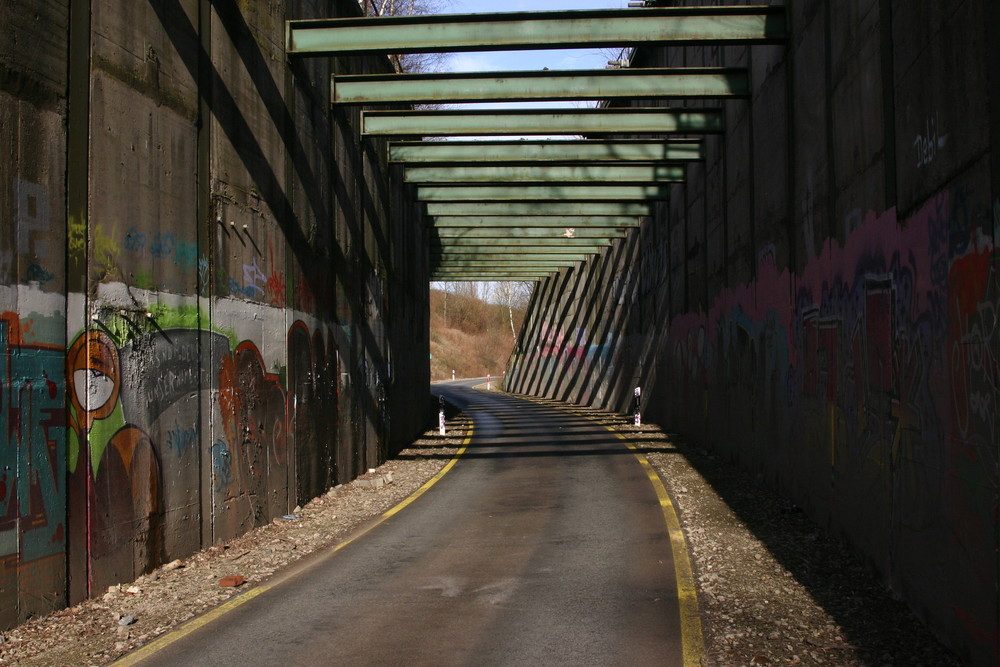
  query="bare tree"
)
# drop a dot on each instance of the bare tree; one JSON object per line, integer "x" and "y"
{"x": 513, "y": 294}
{"x": 410, "y": 62}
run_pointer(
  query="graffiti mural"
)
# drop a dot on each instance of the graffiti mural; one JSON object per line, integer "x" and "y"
{"x": 33, "y": 491}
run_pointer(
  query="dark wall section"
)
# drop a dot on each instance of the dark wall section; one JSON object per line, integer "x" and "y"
{"x": 819, "y": 302}
{"x": 212, "y": 290}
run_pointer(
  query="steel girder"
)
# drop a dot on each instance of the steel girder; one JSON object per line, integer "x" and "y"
{"x": 685, "y": 82}
{"x": 540, "y": 208}
{"x": 599, "y": 174}
{"x": 418, "y": 153}
{"x": 550, "y": 122}
{"x": 568, "y": 232}
{"x": 532, "y": 193}
{"x": 536, "y": 30}
{"x": 529, "y": 222}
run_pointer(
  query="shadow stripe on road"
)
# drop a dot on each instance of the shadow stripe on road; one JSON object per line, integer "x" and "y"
{"x": 194, "y": 624}
{"x": 692, "y": 638}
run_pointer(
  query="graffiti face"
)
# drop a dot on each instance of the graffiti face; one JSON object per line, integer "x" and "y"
{"x": 93, "y": 374}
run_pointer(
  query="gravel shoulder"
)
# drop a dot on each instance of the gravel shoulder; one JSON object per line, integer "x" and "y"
{"x": 773, "y": 588}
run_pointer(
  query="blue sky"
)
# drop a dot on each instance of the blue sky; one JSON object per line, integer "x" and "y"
{"x": 526, "y": 60}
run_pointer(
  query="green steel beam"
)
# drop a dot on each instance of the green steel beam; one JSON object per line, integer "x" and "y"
{"x": 546, "y": 173}
{"x": 526, "y": 122}
{"x": 547, "y": 255}
{"x": 590, "y": 152}
{"x": 687, "y": 82}
{"x": 586, "y": 209}
{"x": 536, "y": 30}
{"x": 524, "y": 193}
{"x": 499, "y": 264}
{"x": 499, "y": 267}
{"x": 565, "y": 232}
{"x": 517, "y": 243}
{"x": 506, "y": 265}
{"x": 490, "y": 276}
{"x": 527, "y": 222}
{"x": 533, "y": 278}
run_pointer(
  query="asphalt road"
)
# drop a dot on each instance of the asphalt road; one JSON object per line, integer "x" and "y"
{"x": 544, "y": 545}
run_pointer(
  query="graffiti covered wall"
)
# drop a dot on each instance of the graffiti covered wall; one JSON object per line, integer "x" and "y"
{"x": 198, "y": 320}
{"x": 820, "y": 301}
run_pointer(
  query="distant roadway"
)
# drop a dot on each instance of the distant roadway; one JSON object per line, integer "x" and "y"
{"x": 546, "y": 544}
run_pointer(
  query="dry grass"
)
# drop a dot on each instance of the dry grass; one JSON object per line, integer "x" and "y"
{"x": 473, "y": 339}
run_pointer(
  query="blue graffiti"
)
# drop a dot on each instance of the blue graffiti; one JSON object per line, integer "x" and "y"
{"x": 33, "y": 451}
{"x": 180, "y": 440}
{"x": 222, "y": 466}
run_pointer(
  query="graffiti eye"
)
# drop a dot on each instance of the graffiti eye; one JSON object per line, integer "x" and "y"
{"x": 93, "y": 388}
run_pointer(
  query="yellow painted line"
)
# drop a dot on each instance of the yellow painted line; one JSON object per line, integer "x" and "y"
{"x": 169, "y": 638}
{"x": 692, "y": 639}
{"x": 693, "y": 642}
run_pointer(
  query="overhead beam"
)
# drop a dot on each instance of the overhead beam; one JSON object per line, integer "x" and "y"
{"x": 524, "y": 193}
{"x": 529, "y": 222}
{"x": 687, "y": 82}
{"x": 564, "y": 232}
{"x": 515, "y": 244}
{"x": 494, "y": 276}
{"x": 482, "y": 253}
{"x": 536, "y": 30}
{"x": 500, "y": 264}
{"x": 547, "y": 255}
{"x": 548, "y": 173}
{"x": 476, "y": 278}
{"x": 586, "y": 151}
{"x": 617, "y": 208}
{"x": 527, "y": 122}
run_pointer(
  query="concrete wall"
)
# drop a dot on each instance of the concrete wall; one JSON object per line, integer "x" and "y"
{"x": 211, "y": 289}
{"x": 820, "y": 301}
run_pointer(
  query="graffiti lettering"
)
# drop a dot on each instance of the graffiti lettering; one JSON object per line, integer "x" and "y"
{"x": 181, "y": 440}
{"x": 928, "y": 144}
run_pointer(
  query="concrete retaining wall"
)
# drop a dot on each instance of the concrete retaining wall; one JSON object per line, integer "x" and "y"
{"x": 210, "y": 288}
{"x": 820, "y": 301}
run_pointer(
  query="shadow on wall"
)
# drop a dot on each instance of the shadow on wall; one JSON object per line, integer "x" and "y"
{"x": 865, "y": 388}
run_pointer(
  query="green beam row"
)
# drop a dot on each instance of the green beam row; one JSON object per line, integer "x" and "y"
{"x": 590, "y": 152}
{"x": 526, "y": 122}
{"x": 548, "y": 173}
{"x": 551, "y": 208}
{"x": 536, "y": 30}
{"x": 688, "y": 82}
{"x": 530, "y": 222}
{"x": 524, "y": 193}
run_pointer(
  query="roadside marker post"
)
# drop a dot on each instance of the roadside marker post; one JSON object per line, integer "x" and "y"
{"x": 638, "y": 406}
{"x": 441, "y": 428}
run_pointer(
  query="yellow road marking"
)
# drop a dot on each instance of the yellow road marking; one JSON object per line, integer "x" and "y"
{"x": 692, "y": 639}
{"x": 172, "y": 636}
